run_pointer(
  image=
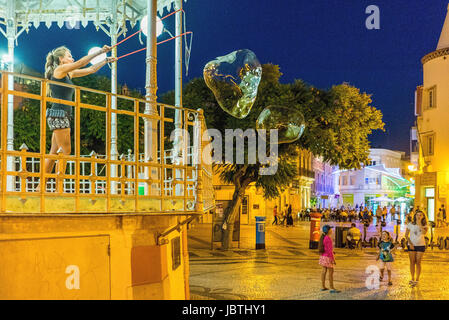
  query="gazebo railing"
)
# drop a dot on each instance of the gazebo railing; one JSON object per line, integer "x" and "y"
{"x": 109, "y": 182}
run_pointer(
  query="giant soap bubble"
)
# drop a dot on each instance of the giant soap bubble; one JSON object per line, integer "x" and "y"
{"x": 289, "y": 122}
{"x": 234, "y": 80}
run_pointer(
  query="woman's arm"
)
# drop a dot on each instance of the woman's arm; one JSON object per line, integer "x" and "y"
{"x": 92, "y": 69}
{"x": 407, "y": 233}
{"x": 62, "y": 70}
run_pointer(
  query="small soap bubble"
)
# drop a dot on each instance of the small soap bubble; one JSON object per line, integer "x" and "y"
{"x": 289, "y": 122}
{"x": 234, "y": 79}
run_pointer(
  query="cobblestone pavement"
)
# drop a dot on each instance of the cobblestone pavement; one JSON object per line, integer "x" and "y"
{"x": 288, "y": 270}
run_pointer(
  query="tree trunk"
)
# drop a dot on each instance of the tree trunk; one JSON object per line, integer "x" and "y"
{"x": 231, "y": 213}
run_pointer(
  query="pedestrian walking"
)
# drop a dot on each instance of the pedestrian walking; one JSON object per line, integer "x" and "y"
{"x": 327, "y": 259}
{"x": 393, "y": 213}
{"x": 415, "y": 233}
{"x": 275, "y": 214}
{"x": 386, "y": 247}
{"x": 439, "y": 218}
{"x": 384, "y": 214}
{"x": 289, "y": 216}
{"x": 443, "y": 210}
{"x": 378, "y": 215}
{"x": 284, "y": 216}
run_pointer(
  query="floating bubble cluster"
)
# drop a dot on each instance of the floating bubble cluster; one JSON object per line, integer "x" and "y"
{"x": 289, "y": 122}
{"x": 234, "y": 80}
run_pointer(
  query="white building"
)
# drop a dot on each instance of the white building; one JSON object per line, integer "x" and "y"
{"x": 381, "y": 178}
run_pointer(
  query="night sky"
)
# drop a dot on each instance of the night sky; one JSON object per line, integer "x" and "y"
{"x": 323, "y": 42}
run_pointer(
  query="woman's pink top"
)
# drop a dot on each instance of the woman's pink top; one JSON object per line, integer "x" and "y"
{"x": 328, "y": 247}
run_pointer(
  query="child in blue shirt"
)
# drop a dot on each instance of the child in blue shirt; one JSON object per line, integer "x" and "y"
{"x": 386, "y": 246}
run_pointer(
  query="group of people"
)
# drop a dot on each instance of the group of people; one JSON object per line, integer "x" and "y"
{"x": 360, "y": 213}
{"x": 417, "y": 227}
{"x": 285, "y": 215}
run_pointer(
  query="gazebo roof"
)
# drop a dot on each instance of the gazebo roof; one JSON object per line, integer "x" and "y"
{"x": 85, "y": 11}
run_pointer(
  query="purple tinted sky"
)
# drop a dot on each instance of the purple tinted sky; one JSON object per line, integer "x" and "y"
{"x": 323, "y": 42}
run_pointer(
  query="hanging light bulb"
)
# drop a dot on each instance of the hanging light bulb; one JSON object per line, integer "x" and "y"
{"x": 98, "y": 58}
{"x": 6, "y": 58}
{"x": 144, "y": 25}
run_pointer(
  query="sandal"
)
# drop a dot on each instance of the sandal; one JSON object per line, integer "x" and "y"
{"x": 324, "y": 289}
{"x": 334, "y": 291}
{"x": 390, "y": 283}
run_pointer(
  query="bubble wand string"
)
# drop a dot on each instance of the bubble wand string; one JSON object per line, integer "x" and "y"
{"x": 128, "y": 54}
{"x": 129, "y": 37}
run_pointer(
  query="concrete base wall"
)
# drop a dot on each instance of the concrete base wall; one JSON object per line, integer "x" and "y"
{"x": 92, "y": 257}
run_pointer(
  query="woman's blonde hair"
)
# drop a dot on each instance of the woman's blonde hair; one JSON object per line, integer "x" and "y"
{"x": 53, "y": 62}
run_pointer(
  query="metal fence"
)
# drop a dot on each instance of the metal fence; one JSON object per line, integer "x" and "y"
{"x": 149, "y": 182}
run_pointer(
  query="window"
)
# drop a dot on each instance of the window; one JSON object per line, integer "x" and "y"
{"x": 176, "y": 252}
{"x": 345, "y": 180}
{"x": 352, "y": 180}
{"x": 415, "y": 146}
{"x": 371, "y": 181}
{"x": 430, "y": 192}
{"x": 429, "y": 145}
{"x": 430, "y": 98}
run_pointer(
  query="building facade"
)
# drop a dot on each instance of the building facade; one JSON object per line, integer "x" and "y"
{"x": 323, "y": 186}
{"x": 383, "y": 177}
{"x": 432, "y": 98}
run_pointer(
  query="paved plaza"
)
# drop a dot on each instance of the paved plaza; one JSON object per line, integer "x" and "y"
{"x": 288, "y": 270}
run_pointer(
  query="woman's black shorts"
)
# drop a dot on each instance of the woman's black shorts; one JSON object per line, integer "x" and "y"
{"x": 417, "y": 248}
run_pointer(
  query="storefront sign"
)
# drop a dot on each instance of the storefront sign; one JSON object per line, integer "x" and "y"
{"x": 348, "y": 199}
{"x": 428, "y": 179}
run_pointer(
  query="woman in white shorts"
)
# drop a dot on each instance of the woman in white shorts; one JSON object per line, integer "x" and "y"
{"x": 415, "y": 235}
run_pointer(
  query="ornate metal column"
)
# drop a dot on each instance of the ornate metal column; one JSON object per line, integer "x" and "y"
{"x": 150, "y": 139}
{"x": 113, "y": 30}
{"x": 11, "y": 33}
{"x": 178, "y": 143}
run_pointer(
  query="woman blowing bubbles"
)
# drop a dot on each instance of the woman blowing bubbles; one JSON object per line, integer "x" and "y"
{"x": 61, "y": 66}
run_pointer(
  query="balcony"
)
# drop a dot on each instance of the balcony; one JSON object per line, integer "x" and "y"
{"x": 155, "y": 176}
{"x": 306, "y": 173}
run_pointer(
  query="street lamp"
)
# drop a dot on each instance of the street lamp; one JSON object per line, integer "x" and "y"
{"x": 159, "y": 26}
{"x": 5, "y": 60}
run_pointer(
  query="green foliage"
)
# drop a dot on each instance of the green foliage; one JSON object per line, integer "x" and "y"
{"x": 27, "y": 122}
{"x": 338, "y": 123}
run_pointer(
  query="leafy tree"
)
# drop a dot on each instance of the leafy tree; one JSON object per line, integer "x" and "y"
{"x": 338, "y": 122}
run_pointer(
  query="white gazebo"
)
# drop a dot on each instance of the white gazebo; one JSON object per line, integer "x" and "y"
{"x": 111, "y": 17}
